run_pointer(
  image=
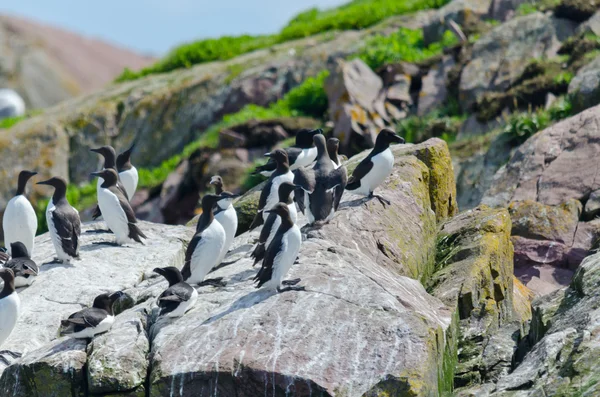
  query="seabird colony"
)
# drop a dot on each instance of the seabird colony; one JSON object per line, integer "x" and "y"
{"x": 309, "y": 175}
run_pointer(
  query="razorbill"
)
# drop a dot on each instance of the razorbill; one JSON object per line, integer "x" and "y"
{"x": 270, "y": 193}
{"x": 92, "y": 321}
{"x": 376, "y": 167}
{"x": 110, "y": 161}
{"x": 302, "y": 154}
{"x": 281, "y": 253}
{"x": 117, "y": 212}
{"x": 333, "y": 146}
{"x": 205, "y": 247}
{"x": 19, "y": 222}
{"x": 128, "y": 174}
{"x": 225, "y": 214}
{"x": 63, "y": 221}
{"x": 179, "y": 297}
{"x": 23, "y": 267}
{"x": 286, "y": 196}
{"x": 323, "y": 185}
{"x": 10, "y": 307}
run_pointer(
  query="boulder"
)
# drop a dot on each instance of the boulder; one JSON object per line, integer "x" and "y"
{"x": 585, "y": 86}
{"x": 592, "y": 25}
{"x": 460, "y": 11}
{"x": 264, "y": 133}
{"x": 497, "y": 57}
{"x": 11, "y": 104}
{"x": 503, "y": 10}
{"x": 433, "y": 91}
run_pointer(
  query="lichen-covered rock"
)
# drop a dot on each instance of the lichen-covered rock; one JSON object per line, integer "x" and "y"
{"x": 461, "y": 12}
{"x": 522, "y": 298}
{"x": 497, "y": 57}
{"x": 585, "y": 86}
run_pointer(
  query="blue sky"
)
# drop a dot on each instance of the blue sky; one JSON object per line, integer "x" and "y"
{"x": 155, "y": 26}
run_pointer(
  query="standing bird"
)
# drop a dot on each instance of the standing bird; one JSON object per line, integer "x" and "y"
{"x": 63, "y": 221}
{"x": 302, "y": 154}
{"x": 270, "y": 193}
{"x": 110, "y": 158}
{"x": 281, "y": 253}
{"x": 128, "y": 174}
{"x": 10, "y": 307}
{"x": 19, "y": 221}
{"x": 116, "y": 210}
{"x": 179, "y": 297}
{"x": 205, "y": 248}
{"x": 225, "y": 214}
{"x": 272, "y": 223}
{"x": 22, "y": 266}
{"x": 323, "y": 185}
{"x": 92, "y": 321}
{"x": 376, "y": 167}
{"x": 333, "y": 145}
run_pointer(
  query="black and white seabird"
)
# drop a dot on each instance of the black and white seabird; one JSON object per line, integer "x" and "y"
{"x": 179, "y": 297}
{"x": 10, "y": 307}
{"x": 281, "y": 253}
{"x": 286, "y": 196}
{"x": 92, "y": 321}
{"x": 270, "y": 193}
{"x": 333, "y": 146}
{"x": 376, "y": 167}
{"x": 110, "y": 161}
{"x": 205, "y": 248}
{"x": 302, "y": 154}
{"x": 23, "y": 267}
{"x": 225, "y": 214}
{"x": 127, "y": 172}
{"x": 323, "y": 185}
{"x": 117, "y": 212}
{"x": 19, "y": 221}
{"x": 63, "y": 221}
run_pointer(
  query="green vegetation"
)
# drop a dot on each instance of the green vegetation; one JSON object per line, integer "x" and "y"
{"x": 10, "y": 121}
{"x": 357, "y": 14}
{"x": 404, "y": 45}
{"x": 441, "y": 123}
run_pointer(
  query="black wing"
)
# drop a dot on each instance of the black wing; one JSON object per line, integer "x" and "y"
{"x": 186, "y": 271}
{"x": 339, "y": 180}
{"x": 266, "y": 271}
{"x": 68, "y": 226}
{"x": 134, "y": 231}
{"x": 173, "y": 296}
{"x": 359, "y": 173}
{"x": 86, "y": 318}
{"x": 259, "y": 252}
{"x": 305, "y": 178}
{"x": 270, "y": 166}
{"x": 18, "y": 266}
{"x": 293, "y": 153}
{"x": 264, "y": 194}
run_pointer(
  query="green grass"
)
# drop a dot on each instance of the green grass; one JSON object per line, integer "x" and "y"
{"x": 357, "y": 14}
{"x": 10, "y": 121}
{"x": 443, "y": 123}
{"x": 404, "y": 45}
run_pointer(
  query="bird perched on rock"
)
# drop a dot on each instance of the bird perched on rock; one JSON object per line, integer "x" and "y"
{"x": 333, "y": 146}
{"x": 281, "y": 253}
{"x": 205, "y": 248}
{"x": 110, "y": 161}
{"x": 286, "y": 196}
{"x": 270, "y": 193}
{"x": 180, "y": 297}
{"x": 10, "y": 307}
{"x": 94, "y": 320}
{"x": 63, "y": 221}
{"x": 323, "y": 185}
{"x": 19, "y": 221}
{"x": 302, "y": 154}
{"x": 23, "y": 267}
{"x": 225, "y": 214}
{"x": 376, "y": 167}
{"x": 116, "y": 210}
{"x": 128, "y": 174}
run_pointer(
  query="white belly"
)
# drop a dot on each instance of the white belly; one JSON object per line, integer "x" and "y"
{"x": 104, "y": 326}
{"x": 227, "y": 219}
{"x": 23, "y": 282}
{"x": 9, "y": 314}
{"x": 114, "y": 215}
{"x": 184, "y": 306}
{"x": 305, "y": 158}
{"x": 285, "y": 259}
{"x": 383, "y": 163}
{"x": 206, "y": 254}
{"x": 273, "y": 198}
{"x": 19, "y": 223}
{"x": 129, "y": 179}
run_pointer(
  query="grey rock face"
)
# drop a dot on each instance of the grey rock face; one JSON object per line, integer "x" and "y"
{"x": 459, "y": 11}
{"x": 434, "y": 92}
{"x": 585, "y": 86}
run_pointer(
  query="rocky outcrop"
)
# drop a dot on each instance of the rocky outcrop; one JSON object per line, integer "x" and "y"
{"x": 585, "y": 86}
{"x": 461, "y": 12}
{"x": 433, "y": 86}
{"x": 497, "y": 57}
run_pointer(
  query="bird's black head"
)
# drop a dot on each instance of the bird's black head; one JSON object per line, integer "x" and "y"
{"x": 24, "y": 177}
{"x": 124, "y": 159}
{"x": 60, "y": 187}
{"x": 18, "y": 250}
{"x": 109, "y": 154}
{"x": 217, "y": 181}
{"x": 285, "y": 189}
{"x": 109, "y": 175}
{"x": 106, "y": 301}
{"x": 387, "y": 136}
{"x": 333, "y": 145}
{"x": 209, "y": 201}
{"x": 279, "y": 155}
{"x": 280, "y": 209}
{"x": 304, "y": 138}
{"x": 320, "y": 143}
{"x": 171, "y": 273}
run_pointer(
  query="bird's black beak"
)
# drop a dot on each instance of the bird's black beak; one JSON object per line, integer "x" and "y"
{"x": 398, "y": 139}
{"x": 43, "y": 182}
{"x": 268, "y": 154}
{"x": 95, "y": 150}
{"x": 234, "y": 196}
{"x": 158, "y": 270}
{"x": 97, "y": 173}
{"x": 30, "y": 271}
